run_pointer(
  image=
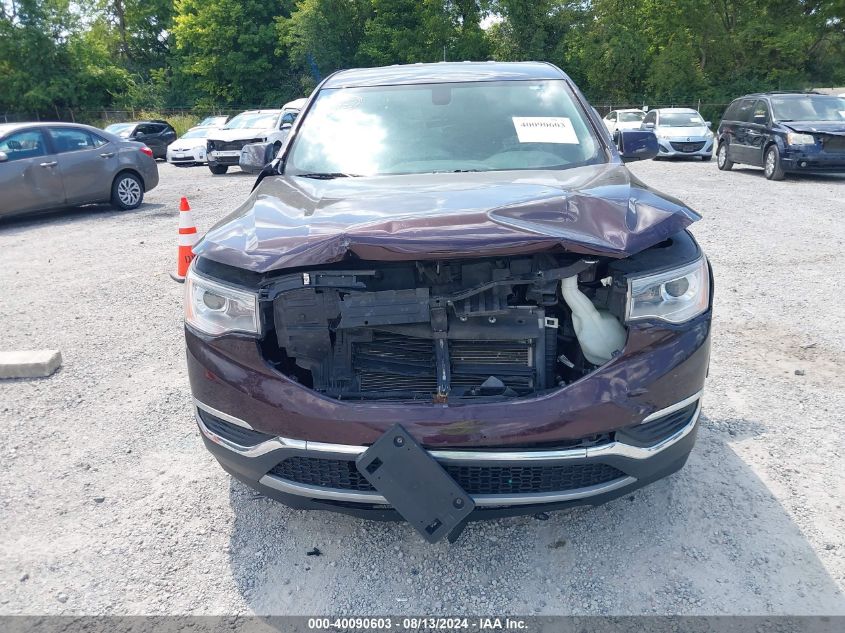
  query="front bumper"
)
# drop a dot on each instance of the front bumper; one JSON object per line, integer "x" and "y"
{"x": 501, "y": 483}
{"x": 671, "y": 148}
{"x": 196, "y": 157}
{"x": 813, "y": 160}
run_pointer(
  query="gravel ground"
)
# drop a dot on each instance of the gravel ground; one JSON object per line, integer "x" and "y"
{"x": 109, "y": 503}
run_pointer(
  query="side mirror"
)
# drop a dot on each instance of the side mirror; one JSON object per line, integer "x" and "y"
{"x": 285, "y": 126}
{"x": 637, "y": 145}
{"x": 708, "y": 123}
{"x": 759, "y": 119}
{"x": 648, "y": 126}
{"x": 3, "y": 157}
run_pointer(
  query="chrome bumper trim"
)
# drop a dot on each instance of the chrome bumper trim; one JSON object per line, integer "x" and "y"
{"x": 603, "y": 450}
{"x": 333, "y": 494}
{"x": 619, "y": 449}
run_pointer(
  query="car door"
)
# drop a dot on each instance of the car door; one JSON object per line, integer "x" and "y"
{"x": 29, "y": 178}
{"x": 741, "y": 149}
{"x": 610, "y": 121}
{"x": 757, "y": 132}
{"x": 87, "y": 163}
{"x": 148, "y": 134}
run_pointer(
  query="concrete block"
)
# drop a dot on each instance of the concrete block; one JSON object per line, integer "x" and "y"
{"x": 29, "y": 364}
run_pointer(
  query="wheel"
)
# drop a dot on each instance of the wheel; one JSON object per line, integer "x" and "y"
{"x": 772, "y": 165}
{"x": 707, "y": 158}
{"x": 218, "y": 169}
{"x": 722, "y": 159}
{"x": 127, "y": 191}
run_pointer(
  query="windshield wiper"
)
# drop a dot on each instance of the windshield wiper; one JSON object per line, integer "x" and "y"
{"x": 327, "y": 175}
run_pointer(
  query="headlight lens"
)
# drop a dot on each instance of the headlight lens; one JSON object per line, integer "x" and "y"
{"x": 674, "y": 296}
{"x": 794, "y": 138}
{"x": 217, "y": 309}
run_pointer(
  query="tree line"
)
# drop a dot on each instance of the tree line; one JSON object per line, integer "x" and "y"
{"x": 64, "y": 55}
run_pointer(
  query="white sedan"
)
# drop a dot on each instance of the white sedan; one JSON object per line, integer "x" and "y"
{"x": 629, "y": 119}
{"x": 190, "y": 148}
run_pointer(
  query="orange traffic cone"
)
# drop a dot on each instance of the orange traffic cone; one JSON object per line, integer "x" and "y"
{"x": 187, "y": 238}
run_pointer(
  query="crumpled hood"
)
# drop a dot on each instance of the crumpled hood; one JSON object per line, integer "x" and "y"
{"x": 290, "y": 221}
{"x": 239, "y": 134}
{"x": 826, "y": 127}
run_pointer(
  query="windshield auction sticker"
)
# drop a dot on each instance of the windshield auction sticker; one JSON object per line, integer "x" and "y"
{"x": 544, "y": 129}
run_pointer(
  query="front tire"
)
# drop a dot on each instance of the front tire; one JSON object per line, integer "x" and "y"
{"x": 127, "y": 191}
{"x": 772, "y": 165}
{"x": 724, "y": 163}
{"x": 218, "y": 169}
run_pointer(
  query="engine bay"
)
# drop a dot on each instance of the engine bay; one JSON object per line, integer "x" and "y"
{"x": 486, "y": 329}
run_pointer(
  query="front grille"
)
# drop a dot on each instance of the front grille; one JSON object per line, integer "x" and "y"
{"x": 652, "y": 432}
{"x": 834, "y": 143}
{"x": 232, "y": 432}
{"x": 392, "y": 362}
{"x": 475, "y": 480}
{"x": 687, "y": 147}
{"x": 225, "y": 146}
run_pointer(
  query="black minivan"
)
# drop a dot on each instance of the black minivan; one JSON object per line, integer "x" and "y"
{"x": 784, "y": 132}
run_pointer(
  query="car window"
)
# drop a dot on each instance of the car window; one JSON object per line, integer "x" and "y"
{"x": 197, "y": 133}
{"x": 745, "y": 110}
{"x": 680, "y": 119}
{"x": 25, "y": 144}
{"x": 631, "y": 117}
{"x": 122, "y": 129}
{"x": 427, "y": 128}
{"x": 808, "y": 108}
{"x": 611, "y": 116}
{"x": 761, "y": 113}
{"x": 146, "y": 128}
{"x": 73, "y": 140}
{"x": 258, "y": 120}
{"x": 288, "y": 118}
{"x": 732, "y": 112}
{"x": 651, "y": 117}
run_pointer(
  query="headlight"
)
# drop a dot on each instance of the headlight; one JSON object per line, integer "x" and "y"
{"x": 216, "y": 309}
{"x": 674, "y": 296}
{"x": 794, "y": 138}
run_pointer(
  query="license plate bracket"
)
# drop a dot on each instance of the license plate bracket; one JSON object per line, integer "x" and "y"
{"x": 416, "y": 485}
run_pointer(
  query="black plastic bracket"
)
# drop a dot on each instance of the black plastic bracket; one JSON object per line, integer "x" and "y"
{"x": 416, "y": 485}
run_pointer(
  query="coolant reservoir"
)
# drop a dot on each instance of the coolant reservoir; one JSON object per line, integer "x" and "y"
{"x": 599, "y": 332}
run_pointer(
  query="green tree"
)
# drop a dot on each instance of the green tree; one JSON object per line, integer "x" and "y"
{"x": 226, "y": 51}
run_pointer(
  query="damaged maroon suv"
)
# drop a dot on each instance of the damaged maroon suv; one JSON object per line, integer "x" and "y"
{"x": 448, "y": 299}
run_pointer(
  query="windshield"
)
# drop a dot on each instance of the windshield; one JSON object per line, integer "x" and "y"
{"x": 212, "y": 120}
{"x": 680, "y": 119}
{"x": 257, "y": 120}
{"x": 117, "y": 128}
{"x": 472, "y": 126}
{"x": 809, "y": 108}
{"x": 200, "y": 133}
{"x": 631, "y": 117}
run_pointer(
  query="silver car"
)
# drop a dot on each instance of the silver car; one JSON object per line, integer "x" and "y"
{"x": 680, "y": 132}
{"x": 52, "y": 165}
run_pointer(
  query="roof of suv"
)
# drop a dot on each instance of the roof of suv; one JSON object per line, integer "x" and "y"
{"x": 443, "y": 72}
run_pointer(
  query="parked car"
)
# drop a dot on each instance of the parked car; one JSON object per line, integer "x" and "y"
{"x": 224, "y": 145}
{"x": 213, "y": 121}
{"x": 680, "y": 132}
{"x": 52, "y": 165}
{"x": 629, "y": 119}
{"x": 456, "y": 247}
{"x": 156, "y": 134}
{"x": 783, "y": 133}
{"x": 189, "y": 149}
